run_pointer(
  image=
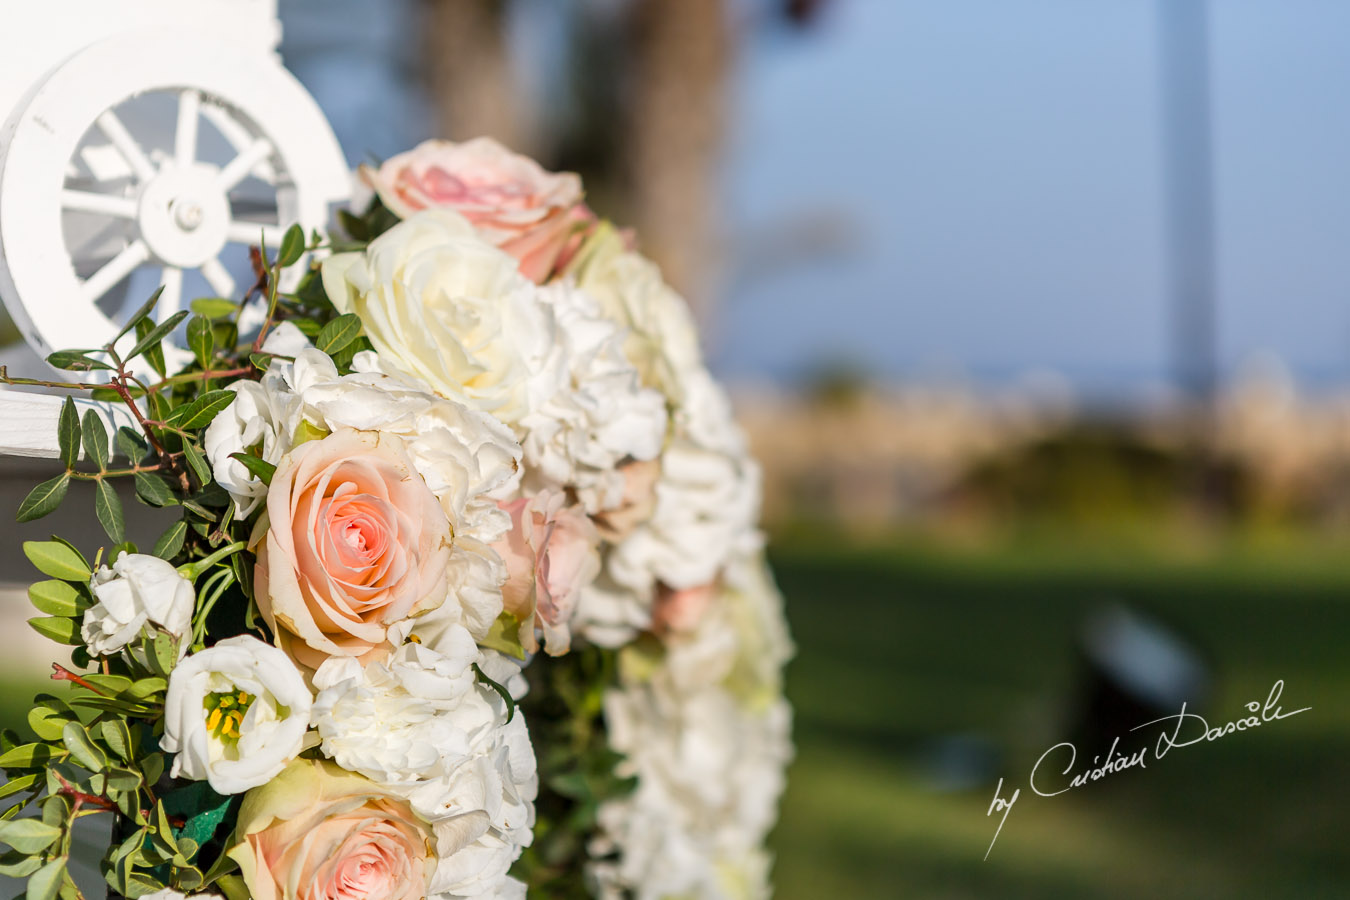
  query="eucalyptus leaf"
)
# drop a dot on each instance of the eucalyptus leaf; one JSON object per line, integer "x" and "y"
{"x": 28, "y": 835}
{"x": 94, "y": 436}
{"x": 68, "y": 433}
{"x": 55, "y": 598}
{"x": 46, "y": 881}
{"x": 57, "y": 559}
{"x": 44, "y": 498}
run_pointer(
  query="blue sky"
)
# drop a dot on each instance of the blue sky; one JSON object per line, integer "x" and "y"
{"x": 1000, "y": 164}
{"x": 994, "y": 171}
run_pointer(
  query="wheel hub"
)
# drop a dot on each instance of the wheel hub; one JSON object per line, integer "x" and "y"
{"x": 183, "y": 215}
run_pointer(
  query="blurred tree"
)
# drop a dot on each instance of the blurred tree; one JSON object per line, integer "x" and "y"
{"x": 469, "y": 72}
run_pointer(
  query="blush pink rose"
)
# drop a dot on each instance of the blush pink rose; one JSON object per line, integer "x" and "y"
{"x": 355, "y": 542}
{"x": 534, "y": 215}
{"x": 319, "y": 832}
{"x": 681, "y": 610}
{"x": 637, "y": 504}
{"x": 551, "y": 554}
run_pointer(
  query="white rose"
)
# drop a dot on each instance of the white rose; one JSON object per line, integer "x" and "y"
{"x": 137, "y": 592}
{"x": 444, "y": 306}
{"x": 235, "y": 715}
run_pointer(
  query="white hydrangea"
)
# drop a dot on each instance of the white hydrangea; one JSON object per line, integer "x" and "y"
{"x": 706, "y": 731}
{"x": 421, "y": 724}
{"x": 598, "y": 417}
{"x": 707, "y": 507}
{"x": 469, "y": 459}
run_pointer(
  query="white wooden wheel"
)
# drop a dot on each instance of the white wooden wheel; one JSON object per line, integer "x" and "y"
{"x": 161, "y": 151}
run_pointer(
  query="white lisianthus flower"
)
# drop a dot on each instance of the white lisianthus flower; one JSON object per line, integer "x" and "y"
{"x": 235, "y": 714}
{"x": 137, "y": 592}
{"x": 420, "y": 724}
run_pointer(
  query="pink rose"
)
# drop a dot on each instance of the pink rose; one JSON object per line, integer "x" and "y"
{"x": 551, "y": 554}
{"x": 681, "y": 610}
{"x": 638, "y": 502}
{"x": 531, "y": 214}
{"x": 355, "y": 542}
{"x": 319, "y": 832}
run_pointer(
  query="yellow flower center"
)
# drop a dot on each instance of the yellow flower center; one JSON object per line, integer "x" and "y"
{"x": 225, "y": 712}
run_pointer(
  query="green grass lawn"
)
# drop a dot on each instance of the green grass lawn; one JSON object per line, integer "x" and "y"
{"x": 901, "y": 644}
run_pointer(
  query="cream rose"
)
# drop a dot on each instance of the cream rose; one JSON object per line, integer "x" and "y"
{"x": 355, "y": 542}
{"x": 513, "y": 203}
{"x": 446, "y": 308}
{"x": 318, "y": 832}
{"x": 551, "y": 554}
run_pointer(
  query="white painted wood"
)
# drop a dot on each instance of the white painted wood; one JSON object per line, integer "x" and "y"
{"x": 71, "y": 155}
{"x": 30, "y": 422}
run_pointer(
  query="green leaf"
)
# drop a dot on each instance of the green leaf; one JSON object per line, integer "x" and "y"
{"x": 171, "y": 541}
{"x": 28, "y": 835}
{"x": 108, "y": 510}
{"x": 201, "y": 339}
{"x": 68, "y": 433}
{"x": 95, "y": 439}
{"x": 153, "y": 490}
{"x": 18, "y": 785}
{"x": 200, "y": 412}
{"x": 292, "y": 246}
{"x": 130, "y": 445}
{"x": 83, "y": 748}
{"x": 353, "y": 225}
{"x": 233, "y": 887}
{"x": 504, "y": 636}
{"x": 59, "y": 629}
{"x": 44, "y": 498}
{"x": 338, "y": 333}
{"x": 152, "y": 767}
{"x": 117, "y": 736}
{"x": 46, "y": 881}
{"x": 213, "y": 307}
{"x": 55, "y": 598}
{"x": 158, "y": 333}
{"x": 259, "y": 467}
{"x": 197, "y": 462}
{"x": 139, "y": 315}
{"x": 155, "y": 353}
{"x": 260, "y": 361}
{"x": 501, "y": 691}
{"x": 49, "y": 724}
{"x": 76, "y": 361}
{"x": 19, "y": 865}
{"x": 165, "y": 654}
{"x": 57, "y": 559}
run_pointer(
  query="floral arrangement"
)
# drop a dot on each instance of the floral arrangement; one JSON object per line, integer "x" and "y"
{"x": 463, "y": 592}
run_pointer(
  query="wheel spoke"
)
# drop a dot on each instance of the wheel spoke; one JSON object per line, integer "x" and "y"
{"x": 185, "y": 135}
{"x": 102, "y": 204}
{"x": 172, "y": 296}
{"x": 126, "y": 145}
{"x": 218, "y": 277}
{"x": 239, "y": 167}
{"x": 114, "y": 270}
{"x": 248, "y": 233}
{"x": 239, "y": 138}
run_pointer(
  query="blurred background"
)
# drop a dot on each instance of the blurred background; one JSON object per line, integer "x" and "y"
{"x": 1038, "y": 315}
